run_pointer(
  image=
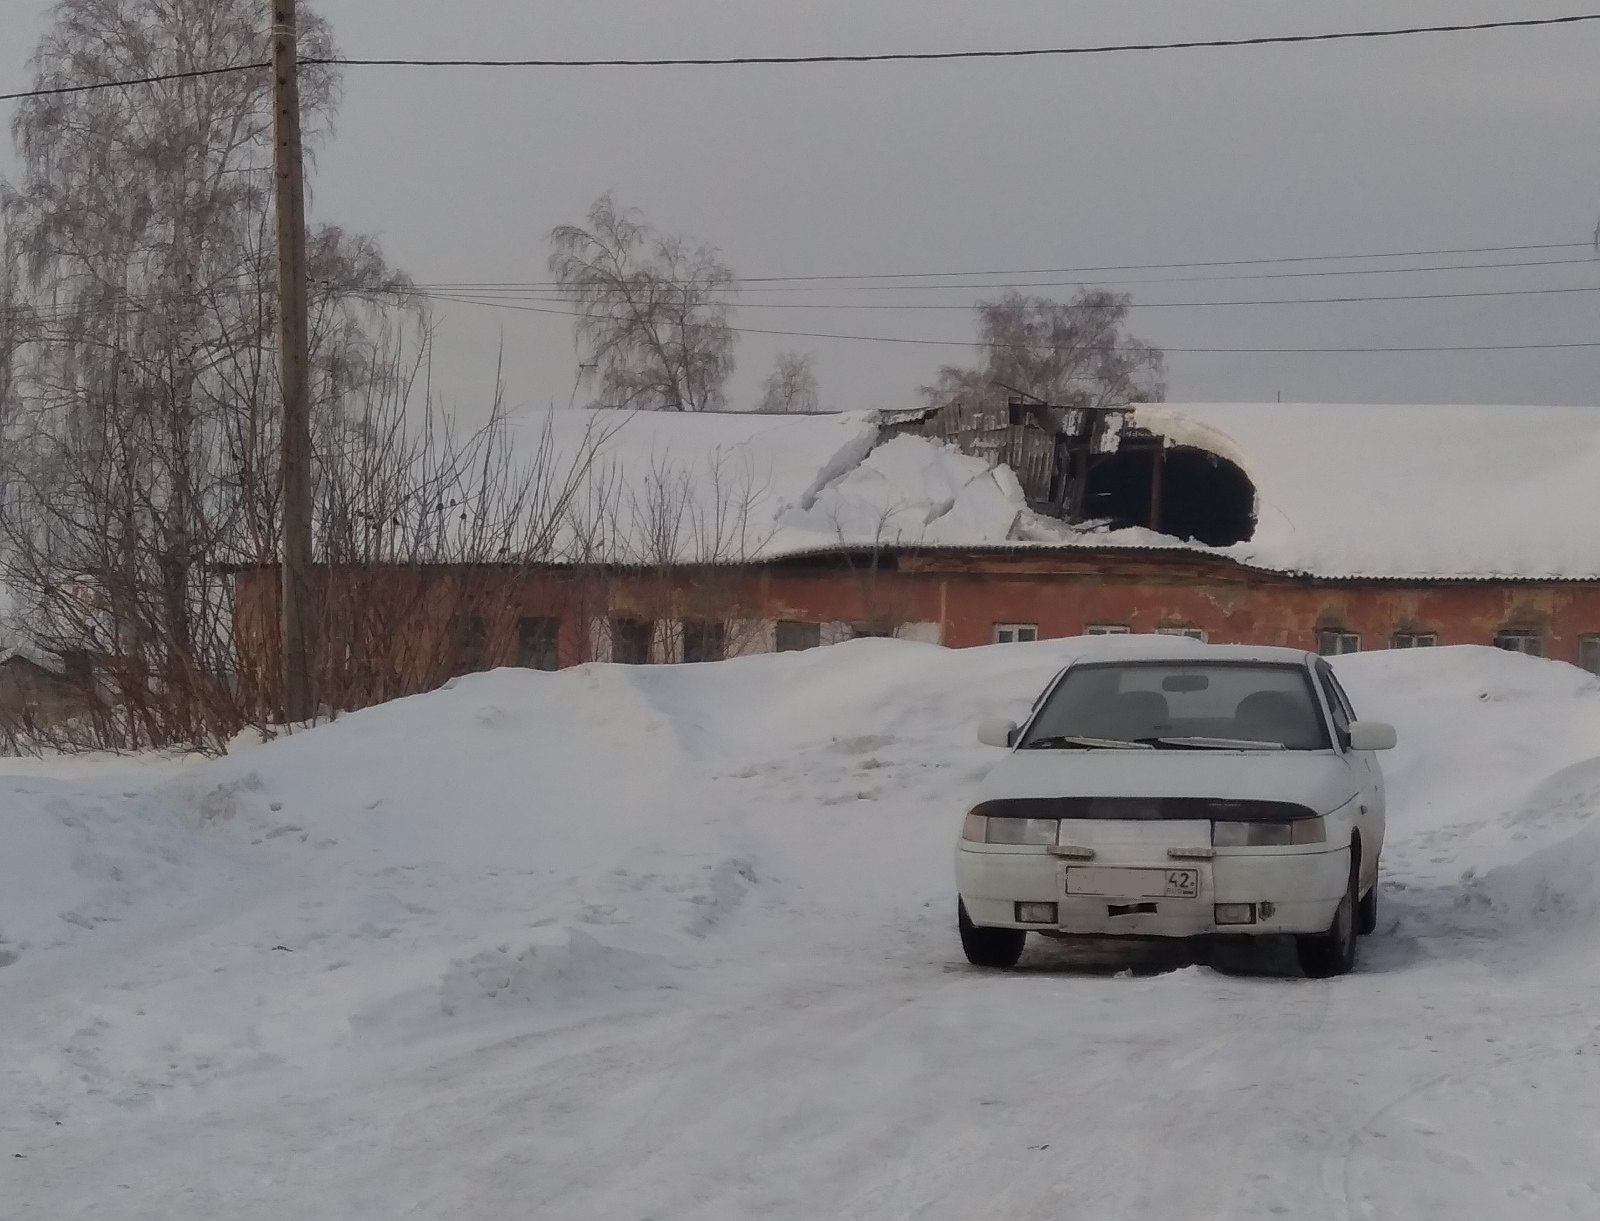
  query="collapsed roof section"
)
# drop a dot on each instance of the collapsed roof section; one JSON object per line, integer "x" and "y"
{"x": 1331, "y": 490}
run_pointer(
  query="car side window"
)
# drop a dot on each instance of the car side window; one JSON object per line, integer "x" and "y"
{"x": 1344, "y": 698}
{"x": 1338, "y": 706}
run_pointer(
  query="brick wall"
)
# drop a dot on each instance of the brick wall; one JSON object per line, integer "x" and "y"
{"x": 955, "y": 598}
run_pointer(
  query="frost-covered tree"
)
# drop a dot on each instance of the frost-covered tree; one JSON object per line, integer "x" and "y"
{"x": 791, "y": 386}
{"x": 1066, "y": 353}
{"x": 652, "y": 311}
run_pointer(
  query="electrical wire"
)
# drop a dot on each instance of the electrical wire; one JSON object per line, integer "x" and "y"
{"x": 192, "y": 74}
{"x": 776, "y": 60}
{"x": 929, "y": 56}
{"x": 546, "y": 299}
{"x": 746, "y": 286}
{"x": 965, "y": 343}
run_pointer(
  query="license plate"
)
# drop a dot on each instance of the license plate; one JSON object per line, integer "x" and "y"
{"x": 1113, "y": 883}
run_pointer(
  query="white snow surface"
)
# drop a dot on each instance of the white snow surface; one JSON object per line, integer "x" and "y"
{"x": 1343, "y": 490}
{"x": 1406, "y": 490}
{"x": 678, "y": 942}
{"x": 728, "y": 487}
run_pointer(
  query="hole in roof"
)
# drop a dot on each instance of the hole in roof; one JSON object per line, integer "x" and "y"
{"x": 1204, "y": 498}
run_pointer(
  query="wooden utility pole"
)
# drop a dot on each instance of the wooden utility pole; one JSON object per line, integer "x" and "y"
{"x": 294, "y": 362}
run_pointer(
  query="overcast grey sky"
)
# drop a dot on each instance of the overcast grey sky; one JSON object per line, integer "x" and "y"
{"x": 1435, "y": 141}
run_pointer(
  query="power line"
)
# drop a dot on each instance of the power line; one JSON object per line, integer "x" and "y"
{"x": 57, "y": 90}
{"x": 1290, "y": 258}
{"x": 543, "y": 298}
{"x": 748, "y": 286}
{"x": 517, "y": 296}
{"x": 927, "y": 56}
{"x": 522, "y": 307}
{"x": 1062, "y": 271}
{"x": 964, "y": 343}
{"x": 773, "y": 60}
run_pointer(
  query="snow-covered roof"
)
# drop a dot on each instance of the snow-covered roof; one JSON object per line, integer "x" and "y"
{"x": 728, "y": 487}
{"x": 1343, "y": 490}
{"x": 1367, "y": 490}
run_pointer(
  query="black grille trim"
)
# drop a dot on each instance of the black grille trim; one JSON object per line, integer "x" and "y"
{"x": 1145, "y": 809}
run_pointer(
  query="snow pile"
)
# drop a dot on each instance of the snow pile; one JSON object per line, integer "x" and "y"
{"x": 911, "y": 490}
{"x": 1510, "y": 808}
{"x": 1360, "y": 489}
{"x": 73, "y": 859}
{"x": 677, "y": 941}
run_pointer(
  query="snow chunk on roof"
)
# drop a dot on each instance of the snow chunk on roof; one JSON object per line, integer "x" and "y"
{"x": 912, "y": 490}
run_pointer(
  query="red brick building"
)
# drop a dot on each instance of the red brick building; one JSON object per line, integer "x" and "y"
{"x": 1333, "y": 528}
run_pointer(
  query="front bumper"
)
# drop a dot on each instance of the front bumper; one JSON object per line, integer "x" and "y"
{"x": 1304, "y": 890}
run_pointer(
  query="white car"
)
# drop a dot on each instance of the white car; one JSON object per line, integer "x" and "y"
{"x": 1179, "y": 791}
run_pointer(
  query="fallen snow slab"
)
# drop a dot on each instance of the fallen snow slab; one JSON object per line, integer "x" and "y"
{"x": 676, "y": 942}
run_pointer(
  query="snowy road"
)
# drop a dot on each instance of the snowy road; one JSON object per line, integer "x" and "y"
{"x": 677, "y": 943}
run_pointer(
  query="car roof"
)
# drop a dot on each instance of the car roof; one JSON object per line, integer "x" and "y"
{"x": 1181, "y": 649}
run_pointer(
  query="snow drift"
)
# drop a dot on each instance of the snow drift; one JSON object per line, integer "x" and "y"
{"x": 677, "y": 941}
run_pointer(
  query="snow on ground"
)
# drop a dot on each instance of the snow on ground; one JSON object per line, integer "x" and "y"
{"x": 677, "y": 942}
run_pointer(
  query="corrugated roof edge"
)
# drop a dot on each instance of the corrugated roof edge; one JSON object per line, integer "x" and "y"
{"x": 1187, "y": 551}
{"x": 1021, "y": 547}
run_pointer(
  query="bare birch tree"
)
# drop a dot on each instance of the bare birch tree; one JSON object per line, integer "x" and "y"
{"x": 791, "y": 387}
{"x": 1065, "y": 353}
{"x": 652, "y": 311}
{"x": 140, "y": 455}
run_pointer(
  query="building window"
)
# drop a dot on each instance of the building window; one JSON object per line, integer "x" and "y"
{"x": 630, "y": 641}
{"x": 1589, "y": 654}
{"x": 1518, "y": 640}
{"x": 472, "y": 642}
{"x": 1105, "y": 629}
{"x": 871, "y": 631}
{"x": 704, "y": 640}
{"x": 1334, "y": 643}
{"x": 1413, "y": 640}
{"x": 537, "y": 643}
{"x": 791, "y": 635}
{"x": 1015, "y": 633}
{"x": 1193, "y": 633}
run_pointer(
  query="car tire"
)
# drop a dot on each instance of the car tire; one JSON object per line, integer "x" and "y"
{"x": 1324, "y": 955}
{"x": 998, "y": 948}
{"x": 1367, "y": 915}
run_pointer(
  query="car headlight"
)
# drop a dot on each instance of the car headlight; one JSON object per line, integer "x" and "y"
{"x": 1269, "y": 834}
{"x": 1036, "y": 831}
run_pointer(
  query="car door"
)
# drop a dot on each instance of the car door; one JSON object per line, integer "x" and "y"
{"x": 1370, "y": 813}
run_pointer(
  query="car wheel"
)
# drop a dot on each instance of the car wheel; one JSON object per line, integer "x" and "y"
{"x": 1367, "y": 921}
{"x": 989, "y": 947}
{"x": 1323, "y": 955}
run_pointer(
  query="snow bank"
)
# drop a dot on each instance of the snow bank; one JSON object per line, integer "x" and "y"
{"x": 73, "y": 859}
{"x": 699, "y": 918}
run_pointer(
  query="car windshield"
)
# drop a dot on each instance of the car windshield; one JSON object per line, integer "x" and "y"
{"x": 1216, "y": 705}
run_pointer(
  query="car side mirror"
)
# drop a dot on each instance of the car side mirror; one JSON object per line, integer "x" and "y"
{"x": 997, "y": 731}
{"x": 1372, "y": 735}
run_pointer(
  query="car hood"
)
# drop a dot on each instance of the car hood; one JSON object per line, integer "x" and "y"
{"x": 1322, "y": 781}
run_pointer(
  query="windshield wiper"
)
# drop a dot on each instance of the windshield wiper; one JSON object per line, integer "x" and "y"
{"x": 1085, "y": 743}
{"x": 1215, "y": 743}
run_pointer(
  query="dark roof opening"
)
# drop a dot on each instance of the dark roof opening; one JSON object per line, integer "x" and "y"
{"x": 1203, "y": 497}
